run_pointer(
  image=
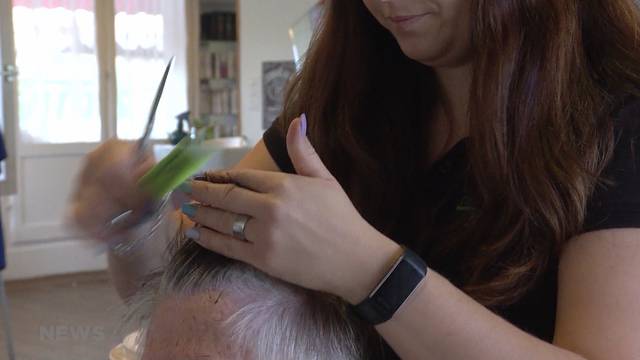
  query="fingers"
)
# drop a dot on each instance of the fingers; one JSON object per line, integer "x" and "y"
{"x": 304, "y": 157}
{"x": 145, "y": 164}
{"x": 107, "y": 185}
{"x": 222, "y": 244}
{"x": 123, "y": 191}
{"x": 89, "y": 213}
{"x": 111, "y": 154}
{"x": 230, "y": 197}
{"x": 216, "y": 219}
{"x": 257, "y": 180}
{"x": 116, "y": 167}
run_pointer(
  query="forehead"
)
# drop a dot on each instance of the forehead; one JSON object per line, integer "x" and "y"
{"x": 189, "y": 327}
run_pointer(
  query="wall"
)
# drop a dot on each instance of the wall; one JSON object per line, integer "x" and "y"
{"x": 263, "y": 31}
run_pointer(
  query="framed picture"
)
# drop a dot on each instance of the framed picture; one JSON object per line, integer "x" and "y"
{"x": 275, "y": 77}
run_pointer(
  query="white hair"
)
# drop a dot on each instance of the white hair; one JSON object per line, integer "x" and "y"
{"x": 271, "y": 319}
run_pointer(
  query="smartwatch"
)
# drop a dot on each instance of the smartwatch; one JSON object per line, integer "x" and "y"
{"x": 394, "y": 289}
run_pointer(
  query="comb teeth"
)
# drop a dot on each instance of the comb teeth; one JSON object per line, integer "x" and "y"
{"x": 184, "y": 160}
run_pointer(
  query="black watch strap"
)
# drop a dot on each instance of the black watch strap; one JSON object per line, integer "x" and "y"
{"x": 394, "y": 289}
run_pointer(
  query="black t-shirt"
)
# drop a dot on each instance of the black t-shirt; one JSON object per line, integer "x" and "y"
{"x": 615, "y": 206}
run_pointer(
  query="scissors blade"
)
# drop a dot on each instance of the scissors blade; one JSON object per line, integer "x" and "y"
{"x": 154, "y": 106}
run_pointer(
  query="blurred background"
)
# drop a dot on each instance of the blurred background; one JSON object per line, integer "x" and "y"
{"x": 77, "y": 72}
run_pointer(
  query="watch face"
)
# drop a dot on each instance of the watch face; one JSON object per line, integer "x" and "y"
{"x": 395, "y": 289}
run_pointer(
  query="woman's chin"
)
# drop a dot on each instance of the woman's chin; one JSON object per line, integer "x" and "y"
{"x": 434, "y": 57}
{"x": 416, "y": 49}
{"x": 420, "y": 54}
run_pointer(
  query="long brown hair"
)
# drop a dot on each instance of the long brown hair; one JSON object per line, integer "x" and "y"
{"x": 547, "y": 75}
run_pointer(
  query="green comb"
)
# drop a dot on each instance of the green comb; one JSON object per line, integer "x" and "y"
{"x": 183, "y": 161}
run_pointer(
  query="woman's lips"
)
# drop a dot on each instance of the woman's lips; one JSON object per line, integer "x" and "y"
{"x": 406, "y": 19}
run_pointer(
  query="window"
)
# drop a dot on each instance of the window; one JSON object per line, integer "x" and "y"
{"x": 147, "y": 34}
{"x": 56, "y": 56}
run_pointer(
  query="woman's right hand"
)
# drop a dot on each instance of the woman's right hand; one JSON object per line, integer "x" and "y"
{"x": 107, "y": 187}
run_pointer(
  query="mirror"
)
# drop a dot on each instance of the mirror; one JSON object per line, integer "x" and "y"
{"x": 302, "y": 31}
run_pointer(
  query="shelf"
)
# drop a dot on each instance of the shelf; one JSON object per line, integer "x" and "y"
{"x": 218, "y": 42}
{"x": 218, "y": 84}
{"x": 218, "y": 45}
{"x": 208, "y": 119}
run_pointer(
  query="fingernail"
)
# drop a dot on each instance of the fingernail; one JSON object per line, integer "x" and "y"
{"x": 178, "y": 198}
{"x": 189, "y": 210}
{"x": 193, "y": 234}
{"x": 185, "y": 187}
{"x": 303, "y": 124}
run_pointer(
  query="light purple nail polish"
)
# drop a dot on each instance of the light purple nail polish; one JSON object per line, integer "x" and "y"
{"x": 193, "y": 234}
{"x": 303, "y": 124}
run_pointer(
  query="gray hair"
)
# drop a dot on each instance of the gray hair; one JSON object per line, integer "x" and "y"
{"x": 273, "y": 319}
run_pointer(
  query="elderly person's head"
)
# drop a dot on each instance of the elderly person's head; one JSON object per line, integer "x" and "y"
{"x": 209, "y": 307}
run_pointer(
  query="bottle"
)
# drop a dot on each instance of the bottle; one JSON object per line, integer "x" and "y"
{"x": 180, "y": 132}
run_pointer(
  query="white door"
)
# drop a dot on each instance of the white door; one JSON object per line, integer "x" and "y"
{"x": 57, "y": 112}
{"x": 88, "y": 70}
{"x": 8, "y": 102}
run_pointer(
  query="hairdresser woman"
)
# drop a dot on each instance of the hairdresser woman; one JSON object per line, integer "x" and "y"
{"x": 493, "y": 139}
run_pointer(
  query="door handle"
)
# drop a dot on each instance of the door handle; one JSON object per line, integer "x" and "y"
{"x": 9, "y": 73}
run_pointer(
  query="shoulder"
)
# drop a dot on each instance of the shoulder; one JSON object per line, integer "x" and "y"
{"x": 275, "y": 141}
{"x": 615, "y": 203}
{"x": 598, "y": 289}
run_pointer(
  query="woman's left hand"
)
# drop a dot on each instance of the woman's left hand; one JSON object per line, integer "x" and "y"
{"x": 302, "y": 229}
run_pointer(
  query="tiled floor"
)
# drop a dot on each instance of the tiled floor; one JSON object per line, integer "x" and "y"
{"x": 72, "y": 317}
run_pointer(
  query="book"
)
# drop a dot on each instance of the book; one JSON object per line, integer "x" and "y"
{"x": 218, "y": 26}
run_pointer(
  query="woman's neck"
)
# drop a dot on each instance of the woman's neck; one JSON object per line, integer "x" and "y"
{"x": 450, "y": 123}
{"x": 455, "y": 86}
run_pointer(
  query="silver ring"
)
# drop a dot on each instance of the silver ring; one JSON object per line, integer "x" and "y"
{"x": 239, "y": 226}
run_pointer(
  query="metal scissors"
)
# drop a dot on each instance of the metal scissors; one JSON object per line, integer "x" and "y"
{"x": 143, "y": 144}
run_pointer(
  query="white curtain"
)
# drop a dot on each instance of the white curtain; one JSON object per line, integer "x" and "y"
{"x": 58, "y": 84}
{"x": 59, "y": 100}
{"x": 148, "y": 33}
